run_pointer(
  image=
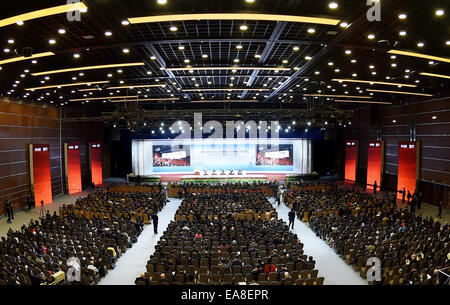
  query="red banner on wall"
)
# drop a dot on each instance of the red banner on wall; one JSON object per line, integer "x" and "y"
{"x": 375, "y": 162}
{"x": 73, "y": 168}
{"x": 408, "y": 167}
{"x": 40, "y": 173}
{"x": 95, "y": 155}
{"x": 351, "y": 159}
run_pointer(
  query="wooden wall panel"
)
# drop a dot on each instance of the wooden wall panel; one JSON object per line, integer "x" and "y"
{"x": 22, "y": 124}
{"x": 431, "y": 119}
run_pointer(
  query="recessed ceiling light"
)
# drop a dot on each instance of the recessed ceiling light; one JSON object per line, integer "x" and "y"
{"x": 343, "y": 24}
{"x": 162, "y": 2}
{"x": 153, "y": 57}
{"x": 186, "y": 61}
{"x": 348, "y": 52}
{"x": 371, "y": 67}
{"x": 371, "y": 36}
{"x": 447, "y": 43}
{"x": 393, "y": 57}
{"x": 239, "y": 47}
{"x": 173, "y": 29}
{"x": 243, "y": 27}
{"x": 6, "y": 50}
{"x": 52, "y": 41}
{"x": 108, "y": 33}
{"x": 354, "y": 75}
{"x": 333, "y": 5}
{"x": 125, "y": 22}
{"x": 11, "y": 41}
{"x": 330, "y": 63}
{"x": 311, "y": 30}
{"x": 76, "y": 55}
{"x": 34, "y": 62}
{"x": 236, "y": 60}
{"x": 308, "y": 57}
{"x": 439, "y": 12}
{"x": 394, "y": 65}
{"x": 353, "y": 61}
{"x": 126, "y": 51}
{"x": 62, "y": 31}
{"x": 19, "y": 22}
{"x": 431, "y": 62}
{"x": 296, "y": 48}
{"x": 204, "y": 55}
{"x": 181, "y": 48}
{"x": 420, "y": 44}
{"x": 402, "y": 33}
{"x": 257, "y": 56}
{"x": 284, "y": 61}
{"x": 317, "y": 72}
{"x": 249, "y": 1}
{"x": 402, "y": 16}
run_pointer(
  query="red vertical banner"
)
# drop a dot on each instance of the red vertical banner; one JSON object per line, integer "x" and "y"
{"x": 351, "y": 159}
{"x": 41, "y": 182}
{"x": 375, "y": 163}
{"x": 72, "y": 167}
{"x": 95, "y": 156}
{"x": 408, "y": 167}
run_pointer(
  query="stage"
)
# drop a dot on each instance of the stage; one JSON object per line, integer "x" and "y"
{"x": 216, "y": 178}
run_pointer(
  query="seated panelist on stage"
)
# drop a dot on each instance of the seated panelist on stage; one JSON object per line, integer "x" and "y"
{"x": 222, "y": 172}
{"x": 213, "y": 172}
{"x": 231, "y": 171}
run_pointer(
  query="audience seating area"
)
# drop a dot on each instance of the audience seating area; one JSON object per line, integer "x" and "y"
{"x": 94, "y": 231}
{"x": 358, "y": 226}
{"x": 229, "y": 234}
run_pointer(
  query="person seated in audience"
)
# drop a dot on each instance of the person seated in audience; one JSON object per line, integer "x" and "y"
{"x": 143, "y": 278}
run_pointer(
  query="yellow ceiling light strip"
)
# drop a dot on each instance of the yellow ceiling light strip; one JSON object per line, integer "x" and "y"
{"x": 419, "y": 55}
{"x": 434, "y": 75}
{"x": 68, "y": 85}
{"x": 371, "y": 82}
{"x": 44, "y": 13}
{"x": 234, "y": 16}
{"x": 101, "y": 98}
{"x": 228, "y": 68}
{"x": 131, "y": 64}
{"x": 227, "y": 89}
{"x": 224, "y": 101}
{"x": 362, "y": 102}
{"x": 137, "y": 86}
{"x": 148, "y": 100}
{"x": 341, "y": 96}
{"x": 399, "y": 92}
{"x": 21, "y": 58}
{"x": 90, "y": 89}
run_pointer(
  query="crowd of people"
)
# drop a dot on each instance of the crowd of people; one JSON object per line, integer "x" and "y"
{"x": 228, "y": 234}
{"x": 411, "y": 249}
{"x": 85, "y": 239}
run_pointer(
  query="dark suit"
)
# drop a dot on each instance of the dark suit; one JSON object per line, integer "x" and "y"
{"x": 155, "y": 223}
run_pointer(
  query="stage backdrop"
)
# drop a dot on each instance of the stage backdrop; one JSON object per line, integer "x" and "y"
{"x": 41, "y": 183}
{"x": 72, "y": 167}
{"x": 408, "y": 167}
{"x": 252, "y": 155}
{"x": 375, "y": 163}
{"x": 351, "y": 159}
{"x": 95, "y": 162}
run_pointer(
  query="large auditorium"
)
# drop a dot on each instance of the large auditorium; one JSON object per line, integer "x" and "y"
{"x": 200, "y": 147}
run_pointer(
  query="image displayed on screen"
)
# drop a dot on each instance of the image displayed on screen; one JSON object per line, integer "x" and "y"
{"x": 265, "y": 156}
{"x": 168, "y": 156}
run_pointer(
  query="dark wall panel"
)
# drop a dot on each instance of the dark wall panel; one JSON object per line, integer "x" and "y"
{"x": 22, "y": 124}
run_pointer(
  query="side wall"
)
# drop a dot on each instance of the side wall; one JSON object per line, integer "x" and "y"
{"x": 22, "y": 124}
{"x": 429, "y": 121}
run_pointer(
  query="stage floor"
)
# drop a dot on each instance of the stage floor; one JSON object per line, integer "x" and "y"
{"x": 268, "y": 177}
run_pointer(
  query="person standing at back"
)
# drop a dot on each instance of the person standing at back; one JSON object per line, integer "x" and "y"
{"x": 291, "y": 216}
{"x": 440, "y": 209}
{"x": 155, "y": 223}
{"x": 8, "y": 212}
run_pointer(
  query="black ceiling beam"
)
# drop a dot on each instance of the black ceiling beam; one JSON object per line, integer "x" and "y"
{"x": 270, "y": 44}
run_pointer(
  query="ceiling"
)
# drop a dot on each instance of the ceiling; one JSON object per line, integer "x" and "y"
{"x": 304, "y": 57}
